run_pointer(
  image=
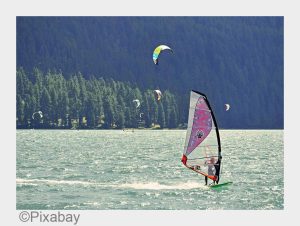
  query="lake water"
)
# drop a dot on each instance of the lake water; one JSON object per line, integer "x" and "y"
{"x": 141, "y": 170}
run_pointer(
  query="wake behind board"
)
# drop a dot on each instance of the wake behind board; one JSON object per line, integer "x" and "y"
{"x": 220, "y": 185}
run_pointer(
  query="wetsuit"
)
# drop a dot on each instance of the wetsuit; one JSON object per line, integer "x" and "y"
{"x": 217, "y": 167}
{"x": 211, "y": 171}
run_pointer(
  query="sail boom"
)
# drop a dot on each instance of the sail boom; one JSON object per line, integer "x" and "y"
{"x": 212, "y": 177}
{"x": 212, "y": 145}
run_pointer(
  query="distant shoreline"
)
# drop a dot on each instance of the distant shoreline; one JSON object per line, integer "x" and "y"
{"x": 153, "y": 129}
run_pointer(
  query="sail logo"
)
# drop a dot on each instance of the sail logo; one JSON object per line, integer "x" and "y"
{"x": 199, "y": 134}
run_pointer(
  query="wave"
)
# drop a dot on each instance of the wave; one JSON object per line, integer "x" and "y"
{"x": 45, "y": 181}
{"x": 158, "y": 186}
{"x": 135, "y": 185}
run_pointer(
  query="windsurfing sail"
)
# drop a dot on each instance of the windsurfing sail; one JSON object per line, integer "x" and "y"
{"x": 202, "y": 149}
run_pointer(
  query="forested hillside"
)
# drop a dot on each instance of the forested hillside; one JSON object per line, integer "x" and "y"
{"x": 89, "y": 104}
{"x": 235, "y": 60}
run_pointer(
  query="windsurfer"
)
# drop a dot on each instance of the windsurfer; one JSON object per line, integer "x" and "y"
{"x": 202, "y": 132}
{"x": 217, "y": 167}
{"x": 211, "y": 168}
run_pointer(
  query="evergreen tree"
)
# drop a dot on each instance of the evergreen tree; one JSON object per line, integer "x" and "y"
{"x": 46, "y": 106}
{"x": 120, "y": 114}
{"x": 161, "y": 116}
{"x": 90, "y": 111}
{"x": 20, "y": 110}
{"x": 108, "y": 113}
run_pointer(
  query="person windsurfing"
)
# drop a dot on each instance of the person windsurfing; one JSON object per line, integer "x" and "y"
{"x": 217, "y": 167}
{"x": 202, "y": 141}
{"x": 212, "y": 169}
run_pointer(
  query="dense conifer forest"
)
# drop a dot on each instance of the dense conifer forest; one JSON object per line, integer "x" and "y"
{"x": 84, "y": 72}
{"x": 89, "y": 104}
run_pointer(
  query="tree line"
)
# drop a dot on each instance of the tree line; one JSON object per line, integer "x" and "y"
{"x": 94, "y": 103}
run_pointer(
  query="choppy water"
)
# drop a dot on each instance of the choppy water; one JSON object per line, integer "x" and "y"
{"x": 87, "y": 170}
